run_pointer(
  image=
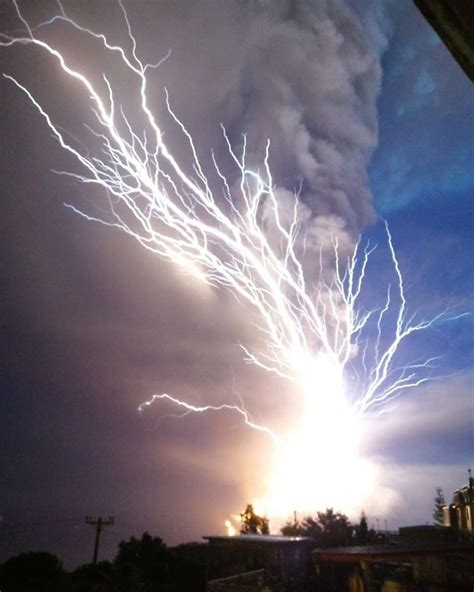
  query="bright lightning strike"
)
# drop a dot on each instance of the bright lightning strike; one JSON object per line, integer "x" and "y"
{"x": 316, "y": 333}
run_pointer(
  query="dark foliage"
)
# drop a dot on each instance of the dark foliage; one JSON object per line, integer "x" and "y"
{"x": 439, "y": 503}
{"x": 142, "y": 564}
{"x": 333, "y": 529}
{"x": 362, "y": 531}
{"x": 363, "y": 535}
{"x": 145, "y": 564}
{"x": 148, "y": 565}
{"x": 328, "y": 529}
{"x": 32, "y": 572}
{"x": 291, "y": 528}
{"x": 93, "y": 578}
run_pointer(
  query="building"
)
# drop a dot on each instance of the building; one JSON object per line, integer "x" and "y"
{"x": 421, "y": 559}
{"x": 250, "y": 562}
{"x": 405, "y": 566}
{"x": 460, "y": 513}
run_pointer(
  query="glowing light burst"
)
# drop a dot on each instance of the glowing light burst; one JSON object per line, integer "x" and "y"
{"x": 340, "y": 356}
{"x": 231, "y": 530}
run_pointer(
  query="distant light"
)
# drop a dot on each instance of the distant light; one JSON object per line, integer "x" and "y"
{"x": 231, "y": 531}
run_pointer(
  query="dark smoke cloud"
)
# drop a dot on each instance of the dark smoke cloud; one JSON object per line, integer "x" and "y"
{"x": 303, "y": 74}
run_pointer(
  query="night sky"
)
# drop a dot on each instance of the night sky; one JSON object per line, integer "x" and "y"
{"x": 93, "y": 325}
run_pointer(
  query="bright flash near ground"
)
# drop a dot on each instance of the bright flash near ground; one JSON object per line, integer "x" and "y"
{"x": 339, "y": 357}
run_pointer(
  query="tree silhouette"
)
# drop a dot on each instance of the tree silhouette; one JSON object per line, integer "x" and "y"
{"x": 252, "y": 523}
{"x": 362, "y": 531}
{"x": 439, "y": 503}
{"x": 364, "y": 535}
{"x": 28, "y": 572}
{"x": 292, "y": 527}
{"x": 336, "y": 530}
{"x": 142, "y": 564}
{"x": 94, "y": 578}
{"x": 148, "y": 565}
{"x": 310, "y": 527}
{"x": 327, "y": 529}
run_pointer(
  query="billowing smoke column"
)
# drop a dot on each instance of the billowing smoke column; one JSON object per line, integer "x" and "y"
{"x": 280, "y": 243}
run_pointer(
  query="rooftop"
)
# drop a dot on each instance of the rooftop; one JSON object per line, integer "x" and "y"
{"x": 390, "y": 551}
{"x": 266, "y": 539}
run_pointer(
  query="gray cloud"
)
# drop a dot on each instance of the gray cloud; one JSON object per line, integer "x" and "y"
{"x": 422, "y": 423}
{"x": 302, "y": 74}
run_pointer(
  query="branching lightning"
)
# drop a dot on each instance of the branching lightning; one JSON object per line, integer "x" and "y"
{"x": 314, "y": 333}
{"x": 188, "y": 408}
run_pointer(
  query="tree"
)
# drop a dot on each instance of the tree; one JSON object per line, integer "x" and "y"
{"x": 362, "y": 531}
{"x": 439, "y": 503}
{"x": 188, "y": 567}
{"x": 142, "y": 564}
{"x": 30, "y": 572}
{"x": 327, "y": 529}
{"x": 94, "y": 578}
{"x": 363, "y": 535}
{"x": 252, "y": 523}
{"x": 292, "y": 527}
{"x": 310, "y": 528}
{"x": 336, "y": 530}
{"x": 148, "y": 565}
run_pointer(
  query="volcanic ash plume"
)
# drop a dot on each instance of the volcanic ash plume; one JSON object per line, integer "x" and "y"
{"x": 301, "y": 74}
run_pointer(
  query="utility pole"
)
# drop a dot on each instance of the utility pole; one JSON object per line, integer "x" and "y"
{"x": 99, "y": 523}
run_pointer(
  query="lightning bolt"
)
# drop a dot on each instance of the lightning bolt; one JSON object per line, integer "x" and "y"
{"x": 223, "y": 240}
{"x": 204, "y": 408}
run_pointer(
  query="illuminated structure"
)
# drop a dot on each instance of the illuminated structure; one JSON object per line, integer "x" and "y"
{"x": 460, "y": 513}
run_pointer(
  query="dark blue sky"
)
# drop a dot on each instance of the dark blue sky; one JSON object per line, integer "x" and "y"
{"x": 92, "y": 325}
{"x": 421, "y": 175}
